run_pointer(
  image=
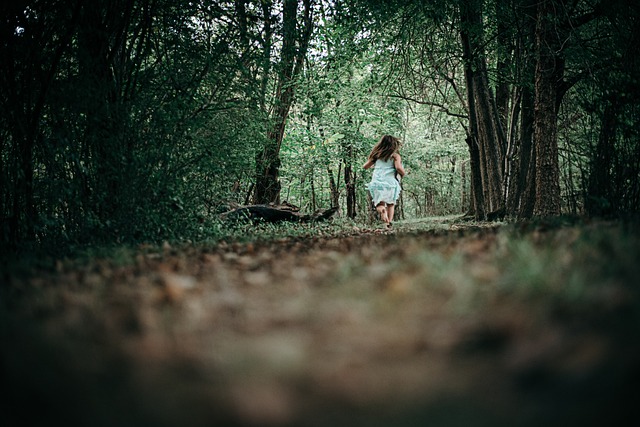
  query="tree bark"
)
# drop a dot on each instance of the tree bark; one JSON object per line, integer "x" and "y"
{"x": 349, "y": 182}
{"x": 463, "y": 189}
{"x": 267, "y": 189}
{"x": 505, "y": 49}
{"x": 333, "y": 188}
{"x": 476, "y": 191}
{"x": 526, "y": 192}
{"x": 485, "y": 137}
{"x": 599, "y": 193}
{"x": 491, "y": 138}
{"x": 267, "y": 6}
{"x": 548, "y": 70}
{"x": 521, "y": 196}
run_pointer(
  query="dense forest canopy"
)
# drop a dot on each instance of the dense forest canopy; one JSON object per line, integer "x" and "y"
{"x": 134, "y": 120}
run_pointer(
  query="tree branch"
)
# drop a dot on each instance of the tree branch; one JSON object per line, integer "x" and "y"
{"x": 434, "y": 104}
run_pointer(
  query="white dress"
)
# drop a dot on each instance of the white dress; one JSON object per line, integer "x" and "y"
{"x": 384, "y": 187}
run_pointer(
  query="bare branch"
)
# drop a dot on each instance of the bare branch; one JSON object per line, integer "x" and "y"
{"x": 434, "y": 104}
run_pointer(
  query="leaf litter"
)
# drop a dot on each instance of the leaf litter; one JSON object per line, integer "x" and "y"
{"x": 498, "y": 325}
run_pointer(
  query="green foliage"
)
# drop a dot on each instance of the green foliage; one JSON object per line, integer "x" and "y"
{"x": 151, "y": 156}
{"x": 142, "y": 124}
{"x": 599, "y": 134}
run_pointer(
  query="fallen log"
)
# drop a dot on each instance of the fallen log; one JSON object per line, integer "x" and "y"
{"x": 275, "y": 213}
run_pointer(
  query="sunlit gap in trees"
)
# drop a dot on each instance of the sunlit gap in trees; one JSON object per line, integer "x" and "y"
{"x": 29, "y": 13}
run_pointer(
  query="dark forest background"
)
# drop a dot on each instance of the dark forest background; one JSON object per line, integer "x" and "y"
{"x": 142, "y": 120}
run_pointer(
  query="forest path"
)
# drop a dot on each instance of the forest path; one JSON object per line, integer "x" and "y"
{"x": 440, "y": 327}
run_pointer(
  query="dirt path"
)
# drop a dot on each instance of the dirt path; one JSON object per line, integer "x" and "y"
{"x": 442, "y": 328}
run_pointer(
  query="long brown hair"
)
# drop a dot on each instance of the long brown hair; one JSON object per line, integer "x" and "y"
{"x": 384, "y": 148}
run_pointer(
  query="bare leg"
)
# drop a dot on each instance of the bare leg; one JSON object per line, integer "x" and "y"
{"x": 390, "y": 211}
{"x": 382, "y": 210}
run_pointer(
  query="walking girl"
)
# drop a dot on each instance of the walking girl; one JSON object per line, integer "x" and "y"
{"x": 385, "y": 182}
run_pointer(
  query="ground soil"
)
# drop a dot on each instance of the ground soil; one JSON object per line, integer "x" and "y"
{"x": 411, "y": 327}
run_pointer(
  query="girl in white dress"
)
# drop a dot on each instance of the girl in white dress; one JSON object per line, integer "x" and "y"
{"x": 385, "y": 182}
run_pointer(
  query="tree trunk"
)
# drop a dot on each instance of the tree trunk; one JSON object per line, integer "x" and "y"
{"x": 476, "y": 190}
{"x": 463, "y": 189}
{"x": 267, "y": 189}
{"x": 477, "y": 193}
{"x": 526, "y": 193}
{"x": 267, "y": 6}
{"x": 599, "y": 194}
{"x": 491, "y": 138}
{"x": 399, "y": 212}
{"x": 520, "y": 158}
{"x": 349, "y": 182}
{"x": 268, "y": 162}
{"x": 545, "y": 114}
{"x": 511, "y": 172}
{"x": 476, "y": 204}
{"x": 333, "y": 188}
{"x": 484, "y": 122}
{"x": 314, "y": 201}
{"x": 505, "y": 49}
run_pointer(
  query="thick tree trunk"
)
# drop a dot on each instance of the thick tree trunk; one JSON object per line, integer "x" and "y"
{"x": 520, "y": 162}
{"x": 545, "y": 115}
{"x": 477, "y": 193}
{"x": 526, "y": 196}
{"x": 476, "y": 190}
{"x": 511, "y": 172}
{"x": 268, "y": 161}
{"x": 267, "y": 189}
{"x": 486, "y": 137}
{"x": 491, "y": 138}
